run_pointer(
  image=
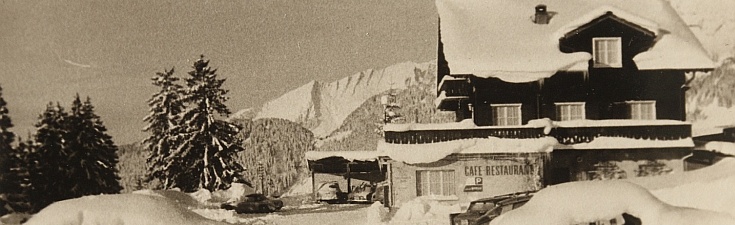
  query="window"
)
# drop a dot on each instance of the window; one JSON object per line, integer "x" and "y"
{"x": 642, "y": 110}
{"x": 506, "y": 114}
{"x": 435, "y": 182}
{"x": 570, "y": 111}
{"x": 607, "y": 52}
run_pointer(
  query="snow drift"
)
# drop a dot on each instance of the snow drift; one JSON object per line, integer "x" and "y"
{"x": 123, "y": 209}
{"x": 589, "y": 201}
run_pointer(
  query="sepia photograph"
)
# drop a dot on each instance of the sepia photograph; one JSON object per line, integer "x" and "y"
{"x": 367, "y": 112}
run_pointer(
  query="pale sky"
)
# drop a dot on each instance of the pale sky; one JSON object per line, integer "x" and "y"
{"x": 108, "y": 50}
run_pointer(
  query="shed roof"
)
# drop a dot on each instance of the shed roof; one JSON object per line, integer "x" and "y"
{"x": 497, "y": 38}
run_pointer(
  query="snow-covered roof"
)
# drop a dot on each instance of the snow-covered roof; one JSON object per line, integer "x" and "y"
{"x": 348, "y": 155}
{"x": 432, "y": 152}
{"x": 496, "y": 38}
{"x": 629, "y": 143}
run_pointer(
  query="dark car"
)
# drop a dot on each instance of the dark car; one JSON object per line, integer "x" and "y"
{"x": 476, "y": 212}
{"x": 254, "y": 203}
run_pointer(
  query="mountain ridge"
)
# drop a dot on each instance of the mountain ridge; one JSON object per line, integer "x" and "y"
{"x": 322, "y": 106}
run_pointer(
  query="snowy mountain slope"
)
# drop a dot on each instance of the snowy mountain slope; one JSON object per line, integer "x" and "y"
{"x": 322, "y": 107}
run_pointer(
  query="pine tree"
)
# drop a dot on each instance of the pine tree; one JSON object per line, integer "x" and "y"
{"x": 207, "y": 145}
{"x": 93, "y": 154}
{"x": 17, "y": 184}
{"x": 165, "y": 106}
{"x": 7, "y": 176}
{"x": 48, "y": 167}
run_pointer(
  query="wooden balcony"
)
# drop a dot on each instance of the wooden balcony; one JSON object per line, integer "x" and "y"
{"x": 455, "y": 85}
{"x": 565, "y": 135}
{"x": 454, "y": 90}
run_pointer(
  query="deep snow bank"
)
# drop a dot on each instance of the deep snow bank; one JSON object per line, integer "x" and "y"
{"x": 423, "y": 210}
{"x": 121, "y": 209}
{"x": 589, "y": 201}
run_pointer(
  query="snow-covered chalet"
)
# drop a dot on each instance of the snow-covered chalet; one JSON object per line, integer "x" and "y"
{"x": 547, "y": 92}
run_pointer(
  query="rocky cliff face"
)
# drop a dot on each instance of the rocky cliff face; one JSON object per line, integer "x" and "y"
{"x": 322, "y": 107}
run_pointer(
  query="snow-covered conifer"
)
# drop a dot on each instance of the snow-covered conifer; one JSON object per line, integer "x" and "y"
{"x": 165, "y": 107}
{"x": 92, "y": 153}
{"x": 48, "y": 166}
{"x": 207, "y": 144}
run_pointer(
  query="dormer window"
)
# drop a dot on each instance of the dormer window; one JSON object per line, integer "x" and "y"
{"x": 607, "y": 52}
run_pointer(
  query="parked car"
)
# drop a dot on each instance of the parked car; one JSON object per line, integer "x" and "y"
{"x": 361, "y": 193}
{"x": 481, "y": 206}
{"x": 254, "y": 203}
{"x": 331, "y": 193}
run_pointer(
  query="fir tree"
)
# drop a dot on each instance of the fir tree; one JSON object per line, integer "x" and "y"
{"x": 92, "y": 153}
{"x": 207, "y": 145}
{"x": 48, "y": 167}
{"x": 7, "y": 174}
{"x": 17, "y": 184}
{"x": 165, "y": 106}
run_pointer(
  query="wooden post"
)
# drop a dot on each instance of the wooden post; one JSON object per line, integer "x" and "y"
{"x": 313, "y": 186}
{"x": 349, "y": 179}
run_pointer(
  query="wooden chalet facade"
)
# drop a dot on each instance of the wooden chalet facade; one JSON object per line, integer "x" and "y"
{"x": 610, "y": 79}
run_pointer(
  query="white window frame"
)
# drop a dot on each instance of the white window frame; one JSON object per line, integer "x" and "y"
{"x": 635, "y": 113}
{"x": 560, "y": 116}
{"x": 602, "y": 59}
{"x": 446, "y": 183}
{"x": 505, "y": 118}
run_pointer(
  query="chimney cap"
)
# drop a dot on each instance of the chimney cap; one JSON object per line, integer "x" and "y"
{"x": 541, "y": 8}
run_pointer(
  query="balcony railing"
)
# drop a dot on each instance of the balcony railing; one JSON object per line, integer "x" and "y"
{"x": 431, "y": 136}
{"x": 565, "y": 135}
{"x": 575, "y": 135}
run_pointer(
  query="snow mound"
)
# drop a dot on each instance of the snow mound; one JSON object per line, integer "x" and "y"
{"x": 303, "y": 187}
{"x": 122, "y": 209}
{"x": 183, "y": 199}
{"x": 423, "y": 210}
{"x": 376, "y": 213}
{"x": 720, "y": 170}
{"x": 589, "y": 201}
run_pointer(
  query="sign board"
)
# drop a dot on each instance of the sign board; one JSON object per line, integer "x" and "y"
{"x": 473, "y": 184}
{"x": 473, "y": 188}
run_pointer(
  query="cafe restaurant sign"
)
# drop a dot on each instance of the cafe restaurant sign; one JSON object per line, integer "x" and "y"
{"x": 499, "y": 170}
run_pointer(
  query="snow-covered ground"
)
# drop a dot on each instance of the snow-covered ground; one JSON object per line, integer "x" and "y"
{"x": 696, "y": 197}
